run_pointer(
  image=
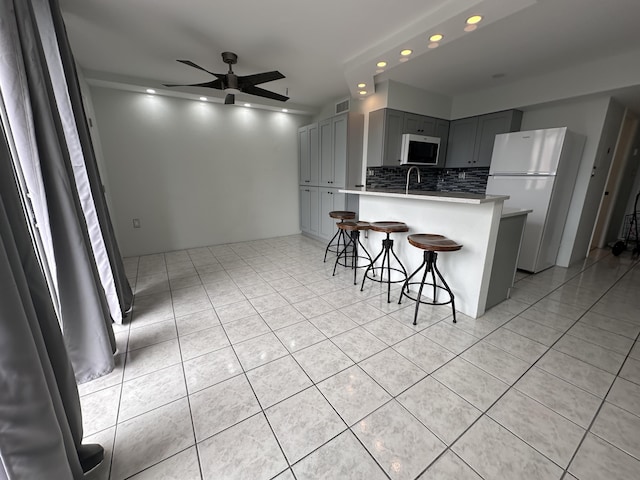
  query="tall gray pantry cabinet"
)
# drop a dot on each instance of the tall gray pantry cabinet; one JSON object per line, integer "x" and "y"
{"x": 330, "y": 159}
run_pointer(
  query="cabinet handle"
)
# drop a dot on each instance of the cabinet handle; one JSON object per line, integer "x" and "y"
{"x": 359, "y": 185}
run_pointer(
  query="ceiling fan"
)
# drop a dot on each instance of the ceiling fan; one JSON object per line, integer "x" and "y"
{"x": 232, "y": 83}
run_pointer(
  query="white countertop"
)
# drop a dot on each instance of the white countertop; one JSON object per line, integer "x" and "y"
{"x": 450, "y": 197}
{"x": 513, "y": 212}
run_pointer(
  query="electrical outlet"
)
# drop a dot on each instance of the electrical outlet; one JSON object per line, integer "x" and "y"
{"x": 370, "y": 172}
{"x": 462, "y": 175}
{"x": 136, "y": 223}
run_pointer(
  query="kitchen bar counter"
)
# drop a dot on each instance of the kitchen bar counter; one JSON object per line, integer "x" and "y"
{"x": 469, "y": 219}
{"x": 452, "y": 197}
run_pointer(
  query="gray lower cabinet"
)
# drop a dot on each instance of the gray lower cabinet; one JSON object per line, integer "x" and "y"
{"x": 309, "y": 210}
{"x": 471, "y": 139}
{"x": 330, "y": 199}
{"x": 505, "y": 259}
{"x": 315, "y": 205}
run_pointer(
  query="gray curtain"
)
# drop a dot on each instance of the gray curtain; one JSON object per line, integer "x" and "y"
{"x": 40, "y": 418}
{"x": 84, "y": 311}
{"x": 125, "y": 295}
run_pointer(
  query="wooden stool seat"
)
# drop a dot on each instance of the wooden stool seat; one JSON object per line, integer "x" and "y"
{"x": 339, "y": 238}
{"x": 433, "y": 242}
{"x": 389, "y": 227}
{"x": 353, "y": 226}
{"x": 387, "y": 253}
{"x": 342, "y": 215}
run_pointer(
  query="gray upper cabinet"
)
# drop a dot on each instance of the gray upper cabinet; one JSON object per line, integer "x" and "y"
{"x": 308, "y": 154}
{"x": 325, "y": 131}
{"x": 419, "y": 124}
{"x": 462, "y": 142}
{"x": 330, "y": 152}
{"x": 385, "y": 137}
{"x": 386, "y": 126}
{"x": 471, "y": 139}
{"x": 442, "y": 132}
{"x": 491, "y": 125}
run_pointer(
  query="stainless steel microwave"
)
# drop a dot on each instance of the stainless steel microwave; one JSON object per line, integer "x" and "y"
{"x": 419, "y": 150}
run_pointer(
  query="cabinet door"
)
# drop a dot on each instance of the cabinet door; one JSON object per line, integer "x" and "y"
{"x": 376, "y": 139}
{"x": 330, "y": 199}
{"x": 339, "y": 134}
{"x": 442, "y": 132}
{"x": 489, "y": 126}
{"x": 325, "y": 139}
{"x": 419, "y": 124}
{"x": 393, "y": 126}
{"x": 314, "y": 211}
{"x": 303, "y": 155}
{"x": 305, "y": 209}
{"x": 461, "y": 145}
{"x": 314, "y": 151}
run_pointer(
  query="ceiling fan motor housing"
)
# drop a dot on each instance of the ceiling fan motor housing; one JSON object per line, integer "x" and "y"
{"x": 230, "y": 58}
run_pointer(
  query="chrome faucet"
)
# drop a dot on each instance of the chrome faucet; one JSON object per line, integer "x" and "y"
{"x": 406, "y": 190}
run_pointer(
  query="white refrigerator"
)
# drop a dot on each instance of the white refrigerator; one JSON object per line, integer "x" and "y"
{"x": 537, "y": 169}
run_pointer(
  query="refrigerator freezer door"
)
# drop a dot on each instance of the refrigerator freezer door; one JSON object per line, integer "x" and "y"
{"x": 534, "y": 193}
{"x": 528, "y": 152}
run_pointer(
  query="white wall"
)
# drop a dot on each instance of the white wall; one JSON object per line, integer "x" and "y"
{"x": 589, "y": 118}
{"x": 196, "y": 173}
{"x": 604, "y": 75}
{"x": 415, "y": 100}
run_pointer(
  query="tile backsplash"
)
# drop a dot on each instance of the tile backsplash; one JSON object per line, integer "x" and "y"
{"x": 470, "y": 180}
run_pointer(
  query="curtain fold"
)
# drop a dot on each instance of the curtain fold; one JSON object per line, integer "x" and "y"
{"x": 40, "y": 416}
{"x": 84, "y": 310}
{"x": 84, "y": 166}
{"x": 123, "y": 289}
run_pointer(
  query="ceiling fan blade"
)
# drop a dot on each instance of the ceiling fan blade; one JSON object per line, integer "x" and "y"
{"x": 230, "y": 99}
{"x": 259, "y": 78}
{"x": 261, "y": 92}
{"x": 194, "y": 65}
{"x": 212, "y": 84}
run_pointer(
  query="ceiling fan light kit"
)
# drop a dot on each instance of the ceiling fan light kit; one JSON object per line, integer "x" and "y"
{"x": 233, "y": 84}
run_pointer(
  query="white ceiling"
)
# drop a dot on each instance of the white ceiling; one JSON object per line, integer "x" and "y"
{"x": 319, "y": 46}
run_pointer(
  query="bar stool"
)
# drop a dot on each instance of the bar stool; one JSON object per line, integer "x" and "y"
{"x": 354, "y": 229}
{"x": 431, "y": 244}
{"x": 386, "y": 253}
{"x": 341, "y": 215}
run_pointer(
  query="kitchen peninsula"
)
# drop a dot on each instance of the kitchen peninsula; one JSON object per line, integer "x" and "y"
{"x": 472, "y": 220}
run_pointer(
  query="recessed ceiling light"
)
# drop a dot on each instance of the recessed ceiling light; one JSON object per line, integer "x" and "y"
{"x": 470, "y": 28}
{"x": 474, "y": 19}
{"x": 436, "y": 38}
{"x": 381, "y": 64}
{"x": 406, "y": 52}
{"x": 433, "y": 45}
{"x": 362, "y": 85}
{"x": 247, "y": 104}
{"x": 151, "y": 91}
{"x": 362, "y": 92}
{"x": 203, "y": 99}
{"x": 284, "y": 110}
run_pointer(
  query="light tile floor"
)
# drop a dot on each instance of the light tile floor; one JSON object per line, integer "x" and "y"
{"x": 250, "y": 361}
